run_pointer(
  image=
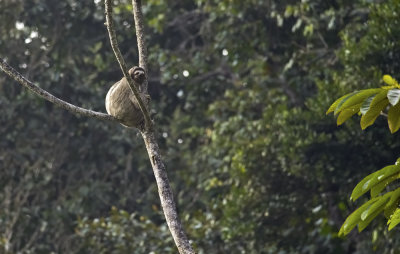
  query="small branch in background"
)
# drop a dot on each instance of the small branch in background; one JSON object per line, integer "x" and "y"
{"x": 122, "y": 64}
{"x": 49, "y": 97}
{"x": 141, "y": 41}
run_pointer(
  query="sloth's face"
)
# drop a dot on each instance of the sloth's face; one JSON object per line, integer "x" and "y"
{"x": 137, "y": 74}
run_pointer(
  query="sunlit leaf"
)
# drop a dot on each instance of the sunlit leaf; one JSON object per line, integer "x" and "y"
{"x": 389, "y": 80}
{"x": 394, "y": 96}
{"x": 347, "y": 113}
{"x": 395, "y": 219}
{"x": 362, "y": 187}
{"x": 373, "y": 179}
{"x": 334, "y": 105}
{"x": 353, "y": 219}
{"x": 377, "y": 206}
{"x": 394, "y": 118}
{"x": 356, "y": 98}
{"x": 368, "y": 102}
{"x": 393, "y": 203}
{"x": 377, "y": 189}
{"x": 365, "y": 105}
{"x": 364, "y": 223}
{"x": 374, "y": 210}
{"x": 374, "y": 111}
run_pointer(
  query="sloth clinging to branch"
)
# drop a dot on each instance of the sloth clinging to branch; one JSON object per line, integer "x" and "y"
{"x": 121, "y": 102}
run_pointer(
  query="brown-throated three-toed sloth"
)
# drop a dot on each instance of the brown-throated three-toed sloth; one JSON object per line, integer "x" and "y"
{"x": 121, "y": 102}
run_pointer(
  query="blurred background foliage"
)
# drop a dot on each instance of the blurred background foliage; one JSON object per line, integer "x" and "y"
{"x": 240, "y": 89}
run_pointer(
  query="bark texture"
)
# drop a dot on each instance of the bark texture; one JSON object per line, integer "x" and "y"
{"x": 166, "y": 194}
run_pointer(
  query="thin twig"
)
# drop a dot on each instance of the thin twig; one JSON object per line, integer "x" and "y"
{"x": 122, "y": 64}
{"x": 141, "y": 41}
{"x": 49, "y": 97}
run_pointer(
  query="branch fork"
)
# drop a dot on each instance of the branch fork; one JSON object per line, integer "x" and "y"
{"x": 148, "y": 134}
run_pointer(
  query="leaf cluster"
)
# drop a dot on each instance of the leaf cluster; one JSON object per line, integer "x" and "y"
{"x": 370, "y": 103}
{"x": 387, "y": 203}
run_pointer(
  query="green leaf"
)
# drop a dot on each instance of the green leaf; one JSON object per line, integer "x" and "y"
{"x": 358, "y": 98}
{"x": 365, "y": 106}
{"x": 393, "y": 203}
{"x": 389, "y": 80}
{"x": 394, "y": 198}
{"x": 373, "y": 112}
{"x": 373, "y": 210}
{"x": 334, "y": 105}
{"x": 377, "y": 189}
{"x": 395, "y": 219}
{"x": 394, "y": 118}
{"x": 379, "y": 205}
{"x": 388, "y": 211}
{"x": 373, "y": 179}
{"x": 353, "y": 219}
{"x": 394, "y": 96}
{"x": 362, "y": 187}
{"x": 367, "y": 103}
{"x": 364, "y": 223}
{"x": 347, "y": 113}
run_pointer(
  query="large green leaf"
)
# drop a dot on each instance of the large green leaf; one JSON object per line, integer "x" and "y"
{"x": 364, "y": 223}
{"x": 394, "y": 118}
{"x": 353, "y": 219}
{"x": 378, "y": 205}
{"x": 373, "y": 179}
{"x": 340, "y": 101}
{"x": 394, "y": 219}
{"x": 362, "y": 187}
{"x": 374, "y": 98}
{"x": 391, "y": 206}
{"x": 394, "y": 198}
{"x": 389, "y": 80}
{"x": 377, "y": 188}
{"x": 347, "y": 113}
{"x": 394, "y": 96}
{"x": 357, "y": 98}
{"x": 373, "y": 112}
{"x": 365, "y": 105}
{"x": 373, "y": 210}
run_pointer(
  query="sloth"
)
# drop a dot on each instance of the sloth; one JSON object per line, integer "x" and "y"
{"x": 121, "y": 102}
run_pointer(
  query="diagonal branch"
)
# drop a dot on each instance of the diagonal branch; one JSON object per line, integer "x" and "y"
{"x": 141, "y": 41}
{"x": 122, "y": 64}
{"x": 166, "y": 195}
{"x": 160, "y": 173}
{"x": 49, "y": 97}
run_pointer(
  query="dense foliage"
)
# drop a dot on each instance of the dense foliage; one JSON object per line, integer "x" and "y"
{"x": 240, "y": 89}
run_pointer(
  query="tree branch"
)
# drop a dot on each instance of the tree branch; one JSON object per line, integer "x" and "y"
{"x": 166, "y": 195}
{"x": 49, "y": 97}
{"x": 122, "y": 64}
{"x": 141, "y": 41}
{"x": 164, "y": 188}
